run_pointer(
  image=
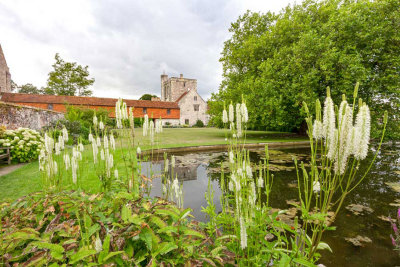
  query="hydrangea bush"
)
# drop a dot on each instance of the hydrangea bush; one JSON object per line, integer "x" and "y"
{"x": 25, "y": 144}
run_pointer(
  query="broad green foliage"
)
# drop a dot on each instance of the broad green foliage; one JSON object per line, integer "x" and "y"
{"x": 80, "y": 229}
{"x": 147, "y": 97}
{"x": 29, "y": 89}
{"x": 78, "y": 121}
{"x": 68, "y": 78}
{"x": 277, "y": 61}
{"x": 25, "y": 144}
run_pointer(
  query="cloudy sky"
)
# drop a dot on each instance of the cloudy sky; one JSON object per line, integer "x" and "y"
{"x": 127, "y": 44}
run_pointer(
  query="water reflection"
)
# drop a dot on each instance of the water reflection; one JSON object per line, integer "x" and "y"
{"x": 195, "y": 169}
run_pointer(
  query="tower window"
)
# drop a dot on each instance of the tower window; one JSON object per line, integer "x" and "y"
{"x": 195, "y": 98}
{"x": 184, "y": 84}
{"x": 168, "y": 111}
{"x": 50, "y": 106}
{"x": 196, "y": 107}
{"x": 186, "y": 121}
{"x": 144, "y": 110}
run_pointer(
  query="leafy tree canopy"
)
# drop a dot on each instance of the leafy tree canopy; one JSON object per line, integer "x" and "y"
{"x": 277, "y": 61}
{"x": 147, "y": 97}
{"x": 68, "y": 78}
{"x": 29, "y": 89}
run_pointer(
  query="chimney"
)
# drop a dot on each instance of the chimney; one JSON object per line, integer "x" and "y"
{"x": 181, "y": 75}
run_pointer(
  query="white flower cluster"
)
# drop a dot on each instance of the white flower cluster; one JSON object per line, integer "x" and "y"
{"x": 242, "y": 116}
{"x": 344, "y": 138}
{"x": 150, "y": 129}
{"x": 244, "y": 189}
{"x": 25, "y": 143}
{"x": 121, "y": 113}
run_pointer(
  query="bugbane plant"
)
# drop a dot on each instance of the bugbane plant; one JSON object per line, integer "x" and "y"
{"x": 336, "y": 153}
{"x": 338, "y": 144}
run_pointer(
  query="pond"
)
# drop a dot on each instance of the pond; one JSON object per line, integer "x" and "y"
{"x": 364, "y": 213}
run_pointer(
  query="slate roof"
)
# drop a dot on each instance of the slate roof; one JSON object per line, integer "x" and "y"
{"x": 82, "y": 100}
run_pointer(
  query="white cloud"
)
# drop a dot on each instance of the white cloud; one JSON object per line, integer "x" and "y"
{"x": 127, "y": 44}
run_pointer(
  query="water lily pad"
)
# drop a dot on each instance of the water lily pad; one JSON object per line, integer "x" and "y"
{"x": 386, "y": 219}
{"x": 396, "y": 203}
{"x": 358, "y": 209}
{"x": 293, "y": 202}
{"x": 394, "y": 186}
{"x": 358, "y": 241}
{"x": 275, "y": 167}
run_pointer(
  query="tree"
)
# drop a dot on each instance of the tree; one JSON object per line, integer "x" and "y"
{"x": 147, "y": 97}
{"x": 68, "y": 78}
{"x": 29, "y": 89}
{"x": 277, "y": 61}
{"x": 14, "y": 86}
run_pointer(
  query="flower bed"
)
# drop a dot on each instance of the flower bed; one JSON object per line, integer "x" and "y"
{"x": 25, "y": 144}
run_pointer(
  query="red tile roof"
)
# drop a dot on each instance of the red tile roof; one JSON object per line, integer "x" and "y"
{"x": 82, "y": 100}
{"x": 179, "y": 99}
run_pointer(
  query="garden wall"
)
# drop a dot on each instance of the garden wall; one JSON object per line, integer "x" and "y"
{"x": 13, "y": 116}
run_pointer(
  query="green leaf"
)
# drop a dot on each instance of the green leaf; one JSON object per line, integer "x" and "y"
{"x": 52, "y": 247}
{"x": 164, "y": 248}
{"x": 192, "y": 232}
{"x": 304, "y": 262}
{"x": 123, "y": 195}
{"x": 106, "y": 248}
{"x": 167, "y": 212}
{"x": 146, "y": 236}
{"x": 81, "y": 254}
{"x": 185, "y": 213}
{"x": 93, "y": 229}
{"x": 323, "y": 245}
{"x": 285, "y": 260}
{"x": 168, "y": 230}
{"x": 125, "y": 213}
{"x": 216, "y": 250}
{"x": 112, "y": 254}
{"x": 157, "y": 221}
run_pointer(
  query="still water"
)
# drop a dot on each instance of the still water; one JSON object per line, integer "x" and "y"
{"x": 378, "y": 198}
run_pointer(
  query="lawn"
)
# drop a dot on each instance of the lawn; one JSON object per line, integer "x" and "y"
{"x": 27, "y": 179}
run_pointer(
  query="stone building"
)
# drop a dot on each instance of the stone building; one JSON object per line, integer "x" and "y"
{"x": 184, "y": 92}
{"x": 5, "y": 76}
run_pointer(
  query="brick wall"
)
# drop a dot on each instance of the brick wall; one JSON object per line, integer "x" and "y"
{"x": 137, "y": 112}
{"x": 13, "y": 116}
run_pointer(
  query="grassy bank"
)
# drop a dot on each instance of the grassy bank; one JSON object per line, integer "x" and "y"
{"x": 27, "y": 179}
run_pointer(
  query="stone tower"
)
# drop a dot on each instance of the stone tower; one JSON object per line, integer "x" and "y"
{"x": 172, "y": 88}
{"x": 5, "y": 76}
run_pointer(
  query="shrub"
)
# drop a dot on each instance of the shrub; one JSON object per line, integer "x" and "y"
{"x": 77, "y": 131}
{"x": 199, "y": 123}
{"x": 25, "y": 144}
{"x": 111, "y": 229}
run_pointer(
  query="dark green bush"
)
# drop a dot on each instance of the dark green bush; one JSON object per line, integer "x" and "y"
{"x": 199, "y": 123}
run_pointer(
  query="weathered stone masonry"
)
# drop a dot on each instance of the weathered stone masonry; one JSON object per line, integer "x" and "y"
{"x": 5, "y": 76}
{"x": 184, "y": 92}
{"x": 14, "y": 116}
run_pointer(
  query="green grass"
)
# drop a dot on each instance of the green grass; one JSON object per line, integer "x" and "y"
{"x": 27, "y": 179}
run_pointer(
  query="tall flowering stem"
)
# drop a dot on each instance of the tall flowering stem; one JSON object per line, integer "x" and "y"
{"x": 338, "y": 145}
